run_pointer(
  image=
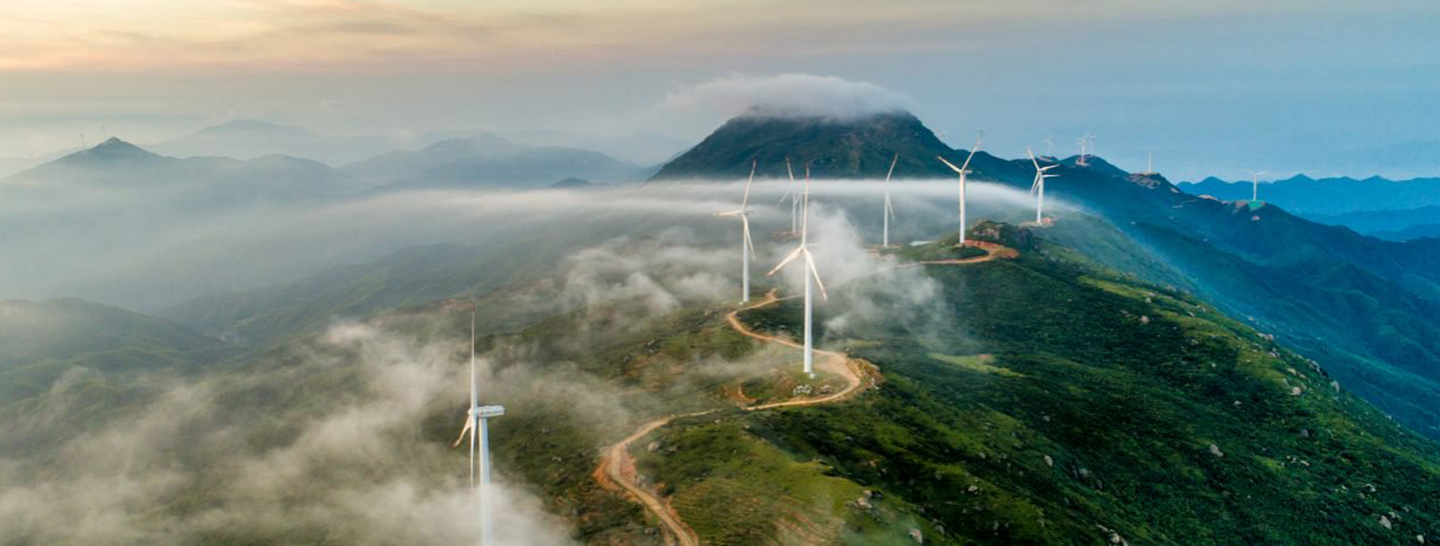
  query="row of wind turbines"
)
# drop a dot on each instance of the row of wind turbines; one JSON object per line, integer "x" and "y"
{"x": 800, "y": 221}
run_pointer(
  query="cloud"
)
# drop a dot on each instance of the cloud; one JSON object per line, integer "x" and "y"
{"x": 786, "y": 95}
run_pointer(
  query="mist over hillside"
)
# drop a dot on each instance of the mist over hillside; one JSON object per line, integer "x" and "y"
{"x": 304, "y": 330}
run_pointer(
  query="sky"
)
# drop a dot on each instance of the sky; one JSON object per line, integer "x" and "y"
{"x": 1318, "y": 86}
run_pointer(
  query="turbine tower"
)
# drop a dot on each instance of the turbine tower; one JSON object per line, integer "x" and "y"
{"x": 794, "y": 197}
{"x": 962, "y": 171}
{"x": 889, "y": 211}
{"x": 1255, "y": 185}
{"x": 478, "y": 418}
{"x": 1038, "y": 187}
{"x": 747, "y": 248}
{"x": 803, "y": 251}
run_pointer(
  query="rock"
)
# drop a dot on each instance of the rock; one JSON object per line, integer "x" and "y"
{"x": 1049, "y": 461}
{"x": 1144, "y": 319}
{"x": 1296, "y": 391}
{"x": 1335, "y": 385}
{"x": 1385, "y": 522}
{"x": 1215, "y": 450}
{"x": 652, "y": 446}
{"x": 917, "y": 536}
{"x": 1420, "y": 539}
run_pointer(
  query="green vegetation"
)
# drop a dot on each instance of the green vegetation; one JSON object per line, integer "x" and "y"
{"x": 1096, "y": 414}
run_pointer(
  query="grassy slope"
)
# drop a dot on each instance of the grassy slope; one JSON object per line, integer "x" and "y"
{"x": 1123, "y": 386}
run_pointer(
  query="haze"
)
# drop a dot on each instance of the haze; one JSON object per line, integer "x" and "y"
{"x": 1216, "y": 88}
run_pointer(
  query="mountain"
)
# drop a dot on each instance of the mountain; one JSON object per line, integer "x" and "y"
{"x": 490, "y": 161}
{"x": 249, "y": 139}
{"x": 1253, "y": 259}
{"x": 1410, "y": 233}
{"x": 1028, "y": 400}
{"x": 1329, "y": 196}
{"x": 643, "y": 148}
{"x": 862, "y": 147}
{"x": 41, "y": 342}
{"x": 1385, "y": 224}
{"x": 1361, "y": 306}
{"x": 205, "y": 181}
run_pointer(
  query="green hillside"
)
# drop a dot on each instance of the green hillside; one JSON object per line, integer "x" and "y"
{"x": 1057, "y": 404}
{"x": 41, "y": 341}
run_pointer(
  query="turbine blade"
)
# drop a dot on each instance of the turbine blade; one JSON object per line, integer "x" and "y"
{"x": 893, "y": 161}
{"x": 1032, "y": 158}
{"x": 949, "y": 164}
{"x": 746, "y": 201}
{"x": 463, "y": 430}
{"x": 789, "y": 170}
{"x": 973, "y": 149}
{"x": 790, "y": 258}
{"x": 810, "y": 266}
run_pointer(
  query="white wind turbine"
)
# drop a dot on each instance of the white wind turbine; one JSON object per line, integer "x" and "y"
{"x": 478, "y": 418}
{"x": 889, "y": 211}
{"x": 962, "y": 171}
{"x": 811, "y": 273}
{"x": 747, "y": 248}
{"x": 1038, "y": 187}
{"x": 1255, "y": 184}
{"x": 794, "y": 198}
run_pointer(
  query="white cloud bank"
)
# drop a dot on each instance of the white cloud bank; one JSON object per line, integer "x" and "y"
{"x": 786, "y": 95}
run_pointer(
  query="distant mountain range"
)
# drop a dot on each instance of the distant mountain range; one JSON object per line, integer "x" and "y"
{"x": 248, "y": 139}
{"x": 491, "y": 161}
{"x": 1391, "y": 225}
{"x": 116, "y": 165}
{"x": 1329, "y": 196}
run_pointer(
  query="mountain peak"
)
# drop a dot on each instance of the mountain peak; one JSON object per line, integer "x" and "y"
{"x": 853, "y": 147}
{"x": 112, "y": 150}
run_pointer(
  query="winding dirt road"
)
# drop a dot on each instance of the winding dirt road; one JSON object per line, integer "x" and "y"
{"x": 617, "y": 467}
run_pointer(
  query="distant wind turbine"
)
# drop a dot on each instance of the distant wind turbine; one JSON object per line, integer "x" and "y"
{"x": 803, "y": 251}
{"x": 1083, "y": 143}
{"x": 889, "y": 211}
{"x": 747, "y": 248}
{"x": 794, "y": 198}
{"x": 478, "y": 418}
{"x": 962, "y": 170}
{"x": 1038, "y": 187}
{"x": 1255, "y": 185}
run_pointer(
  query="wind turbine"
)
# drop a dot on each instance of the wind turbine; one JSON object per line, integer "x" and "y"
{"x": 793, "y": 197}
{"x": 746, "y": 247}
{"x": 889, "y": 211}
{"x": 478, "y": 418}
{"x": 962, "y": 171}
{"x": 803, "y": 251}
{"x": 1255, "y": 184}
{"x": 1038, "y": 187}
{"x": 1083, "y": 143}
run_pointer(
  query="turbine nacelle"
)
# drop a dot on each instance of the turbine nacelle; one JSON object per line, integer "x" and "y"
{"x": 486, "y": 412}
